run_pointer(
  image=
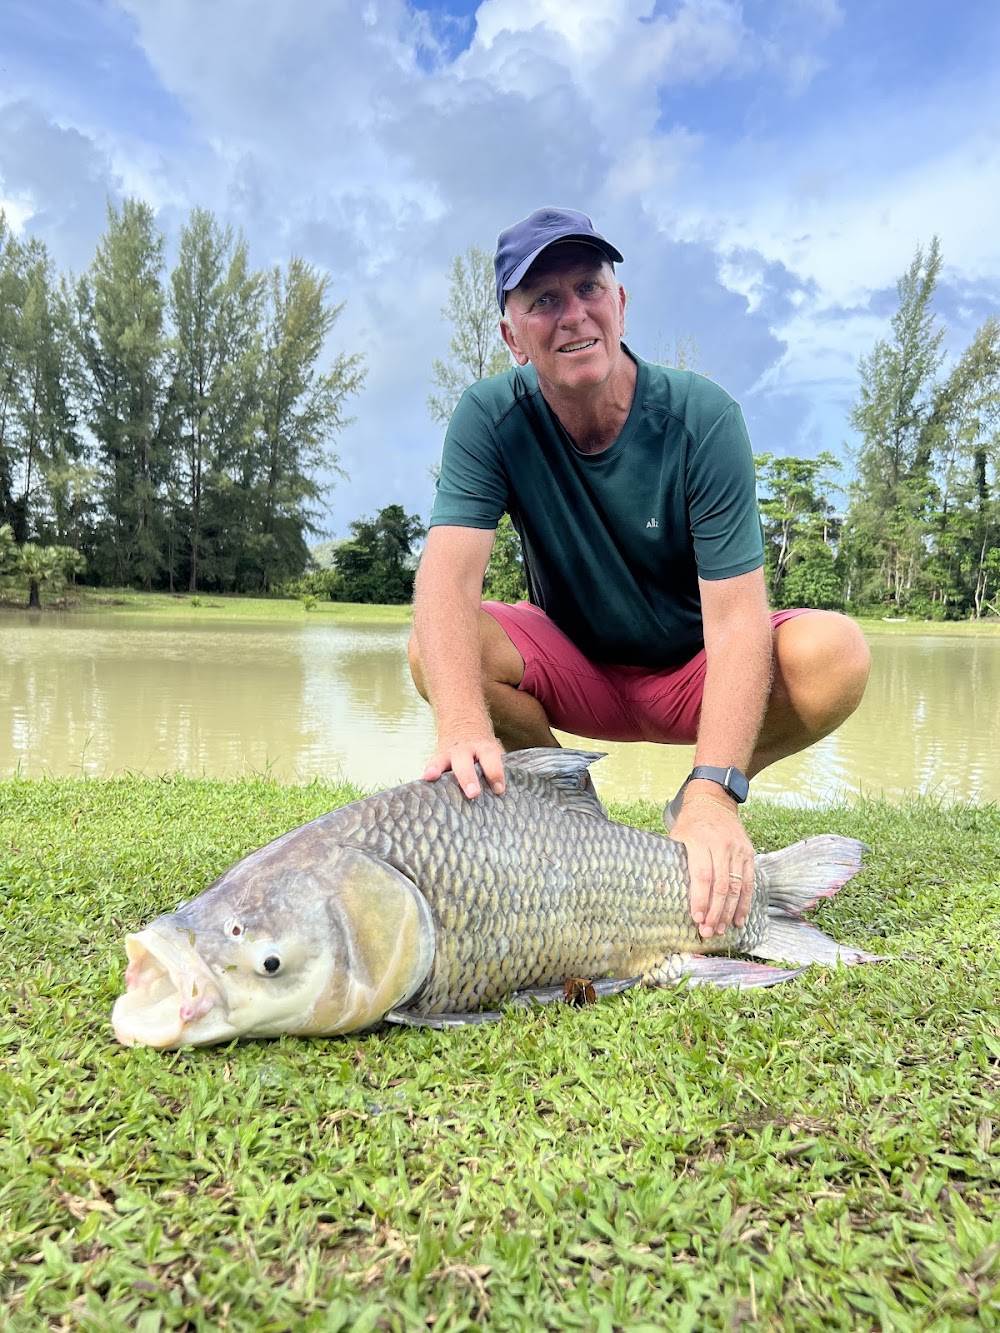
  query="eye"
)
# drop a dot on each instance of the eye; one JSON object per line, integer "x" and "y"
{"x": 271, "y": 963}
{"x": 234, "y": 928}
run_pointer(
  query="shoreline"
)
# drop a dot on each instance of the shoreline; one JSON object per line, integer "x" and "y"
{"x": 225, "y": 606}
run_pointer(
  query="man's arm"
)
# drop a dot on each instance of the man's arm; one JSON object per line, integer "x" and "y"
{"x": 738, "y": 648}
{"x": 446, "y": 617}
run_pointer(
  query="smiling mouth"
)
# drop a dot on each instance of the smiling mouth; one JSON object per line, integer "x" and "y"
{"x": 578, "y": 347}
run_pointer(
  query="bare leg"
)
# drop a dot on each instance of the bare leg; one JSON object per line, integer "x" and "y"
{"x": 519, "y": 720}
{"x": 821, "y": 667}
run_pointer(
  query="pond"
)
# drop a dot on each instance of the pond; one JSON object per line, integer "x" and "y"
{"x": 102, "y": 694}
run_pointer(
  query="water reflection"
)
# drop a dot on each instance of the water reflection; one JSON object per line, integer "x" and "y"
{"x": 101, "y": 694}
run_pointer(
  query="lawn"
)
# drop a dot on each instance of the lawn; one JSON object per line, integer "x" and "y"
{"x": 820, "y": 1155}
{"x": 209, "y": 606}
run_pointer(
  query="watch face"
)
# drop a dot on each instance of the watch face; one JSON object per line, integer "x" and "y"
{"x": 737, "y": 784}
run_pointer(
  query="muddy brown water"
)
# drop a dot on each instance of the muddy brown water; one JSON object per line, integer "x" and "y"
{"x": 100, "y": 695}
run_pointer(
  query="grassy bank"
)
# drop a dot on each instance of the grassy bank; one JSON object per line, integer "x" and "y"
{"x": 210, "y": 606}
{"x": 820, "y": 1155}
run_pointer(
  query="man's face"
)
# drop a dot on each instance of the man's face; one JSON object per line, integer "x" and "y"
{"x": 567, "y": 317}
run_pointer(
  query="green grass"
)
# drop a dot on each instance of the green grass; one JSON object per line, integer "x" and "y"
{"x": 820, "y": 1155}
{"x": 211, "y": 607}
{"x": 974, "y": 629}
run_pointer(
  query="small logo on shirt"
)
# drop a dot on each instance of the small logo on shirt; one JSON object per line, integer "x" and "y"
{"x": 652, "y": 523}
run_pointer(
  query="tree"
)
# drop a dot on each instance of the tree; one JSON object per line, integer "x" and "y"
{"x": 685, "y": 354}
{"x": 505, "y": 579}
{"x": 476, "y": 349}
{"x": 47, "y": 566}
{"x": 8, "y": 551}
{"x": 376, "y": 564}
{"x": 300, "y": 411}
{"x": 215, "y": 306}
{"x": 896, "y": 417}
{"x": 36, "y": 423}
{"x": 800, "y": 529}
{"x": 12, "y": 295}
{"x": 120, "y": 331}
{"x": 967, "y": 525}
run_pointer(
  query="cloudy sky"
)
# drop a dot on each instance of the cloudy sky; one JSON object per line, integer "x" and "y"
{"x": 767, "y": 168}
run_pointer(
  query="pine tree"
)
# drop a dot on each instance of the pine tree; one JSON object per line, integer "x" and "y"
{"x": 895, "y": 416}
{"x": 301, "y": 411}
{"x": 123, "y": 342}
{"x": 215, "y": 304}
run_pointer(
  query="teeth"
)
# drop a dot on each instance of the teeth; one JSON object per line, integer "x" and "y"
{"x": 575, "y": 347}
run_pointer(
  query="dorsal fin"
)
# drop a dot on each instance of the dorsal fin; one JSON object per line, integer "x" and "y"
{"x": 565, "y": 773}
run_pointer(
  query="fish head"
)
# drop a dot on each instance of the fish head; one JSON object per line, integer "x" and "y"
{"x": 307, "y": 945}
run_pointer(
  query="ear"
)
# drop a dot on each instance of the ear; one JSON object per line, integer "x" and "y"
{"x": 510, "y": 338}
{"x": 622, "y": 299}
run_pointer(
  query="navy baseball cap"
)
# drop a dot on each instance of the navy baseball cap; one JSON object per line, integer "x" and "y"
{"x": 519, "y": 246}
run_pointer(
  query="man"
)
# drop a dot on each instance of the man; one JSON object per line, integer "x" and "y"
{"x": 632, "y": 487}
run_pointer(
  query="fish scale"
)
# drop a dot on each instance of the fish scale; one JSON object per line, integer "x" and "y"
{"x": 553, "y": 890}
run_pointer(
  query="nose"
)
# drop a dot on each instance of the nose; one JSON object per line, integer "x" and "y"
{"x": 571, "y": 311}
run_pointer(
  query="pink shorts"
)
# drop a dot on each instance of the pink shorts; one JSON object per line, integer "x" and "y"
{"x": 601, "y": 702}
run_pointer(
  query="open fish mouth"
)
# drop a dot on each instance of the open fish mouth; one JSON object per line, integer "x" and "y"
{"x": 169, "y": 988}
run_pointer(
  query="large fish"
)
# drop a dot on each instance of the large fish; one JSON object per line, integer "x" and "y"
{"x": 417, "y": 905}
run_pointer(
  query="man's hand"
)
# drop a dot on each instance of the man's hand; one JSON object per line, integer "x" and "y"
{"x": 720, "y": 862}
{"x": 461, "y": 754}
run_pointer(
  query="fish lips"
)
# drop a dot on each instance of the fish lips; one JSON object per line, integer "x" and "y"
{"x": 169, "y": 990}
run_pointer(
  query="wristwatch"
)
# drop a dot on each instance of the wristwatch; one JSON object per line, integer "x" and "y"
{"x": 731, "y": 780}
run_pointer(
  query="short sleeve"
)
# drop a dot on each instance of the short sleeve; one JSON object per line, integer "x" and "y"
{"x": 722, "y": 500}
{"x": 472, "y": 485}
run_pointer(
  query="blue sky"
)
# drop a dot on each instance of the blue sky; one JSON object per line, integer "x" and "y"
{"x": 767, "y": 169}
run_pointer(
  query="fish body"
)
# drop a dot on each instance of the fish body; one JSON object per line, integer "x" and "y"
{"x": 416, "y": 903}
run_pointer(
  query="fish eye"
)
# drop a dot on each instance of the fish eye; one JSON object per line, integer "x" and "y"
{"x": 271, "y": 963}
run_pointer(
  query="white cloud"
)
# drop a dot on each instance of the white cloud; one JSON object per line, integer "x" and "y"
{"x": 648, "y": 166}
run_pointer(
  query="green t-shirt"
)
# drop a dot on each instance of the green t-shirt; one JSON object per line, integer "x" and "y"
{"x": 614, "y": 542}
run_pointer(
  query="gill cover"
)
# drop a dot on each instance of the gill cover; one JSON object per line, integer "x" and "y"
{"x": 388, "y": 932}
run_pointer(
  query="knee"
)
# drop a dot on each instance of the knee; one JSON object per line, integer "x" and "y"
{"x": 416, "y": 666}
{"x": 850, "y": 657}
{"x": 823, "y": 656}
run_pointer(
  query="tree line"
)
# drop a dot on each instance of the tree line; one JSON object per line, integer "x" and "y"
{"x": 171, "y": 431}
{"x": 166, "y": 430}
{"x": 916, "y": 529}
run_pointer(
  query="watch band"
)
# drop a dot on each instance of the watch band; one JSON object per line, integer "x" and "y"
{"x": 734, "y": 782}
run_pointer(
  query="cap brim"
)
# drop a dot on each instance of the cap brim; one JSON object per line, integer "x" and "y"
{"x": 604, "y": 247}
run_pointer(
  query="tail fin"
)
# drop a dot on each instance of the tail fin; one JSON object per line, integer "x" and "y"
{"x": 796, "y": 878}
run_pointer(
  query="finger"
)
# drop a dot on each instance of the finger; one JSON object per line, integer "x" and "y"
{"x": 746, "y": 896}
{"x": 464, "y": 768}
{"x": 435, "y": 767}
{"x": 700, "y": 873}
{"x": 726, "y": 888}
{"x": 491, "y": 762}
